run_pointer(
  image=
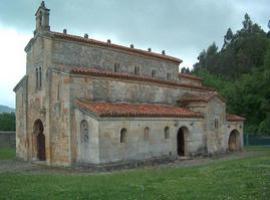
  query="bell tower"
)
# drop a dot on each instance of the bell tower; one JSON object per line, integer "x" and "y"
{"x": 42, "y": 18}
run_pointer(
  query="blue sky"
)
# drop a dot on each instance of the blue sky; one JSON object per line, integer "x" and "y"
{"x": 183, "y": 28}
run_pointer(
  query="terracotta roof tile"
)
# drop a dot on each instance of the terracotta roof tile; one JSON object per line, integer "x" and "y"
{"x": 231, "y": 117}
{"x": 106, "y": 73}
{"x": 115, "y": 46}
{"x": 103, "y": 109}
{"x": 189, "y": 76}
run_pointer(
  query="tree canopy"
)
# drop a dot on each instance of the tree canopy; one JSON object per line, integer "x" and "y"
{"x": 7, "y": 122}
{"x": 240, "y": 71}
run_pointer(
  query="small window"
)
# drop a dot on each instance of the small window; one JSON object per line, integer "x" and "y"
{"x": 216, "y": 123}
{"x": 169, "y": 76}
{"x": 40, "y": 78}
{"x": 116, "y": 67}
{"x": 37, "y": 78}
{"x": 153, "y": 73}
{"x": 166, "y": 132}
{"x": 123, "y": 135}
{"x": 146, "y": 133}
{"x": 84, "y": 131}
{"x": 137, "y": 70}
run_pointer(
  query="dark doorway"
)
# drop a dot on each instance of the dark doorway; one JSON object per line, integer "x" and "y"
{"x": 181, "y": 142}
{"x": 41, "y": 154}
{"x": 233, "y": 143}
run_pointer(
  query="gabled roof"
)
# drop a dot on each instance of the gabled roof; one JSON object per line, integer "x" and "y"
{"x": 126, "y": 76}
{"x": 204, "y": 97}
{"x": 20, "y": 83}
{"x": 102, "y": 109}
{"x": 189, "y": 76}
{"x": 232, "y": 117}
{"x": 115, "y": 46}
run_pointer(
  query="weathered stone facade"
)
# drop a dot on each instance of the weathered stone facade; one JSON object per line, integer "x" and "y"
{"x": 63, "y": 69}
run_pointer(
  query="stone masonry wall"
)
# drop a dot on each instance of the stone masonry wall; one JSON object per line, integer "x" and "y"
{"x": 73, "y": 54}
{"x": 119, "y": 90}
{"x": 215, "y": 132}
{"x": 86, "y": 147}
{"x": 22, "y": 141}
{"x": 137, "y": 147}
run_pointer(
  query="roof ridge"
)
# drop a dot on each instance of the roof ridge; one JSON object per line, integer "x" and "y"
{"x": 98, "y": 72}
{"x": 117, "y": 46}
{"x": 105, "y": 109}
{"x": 190, "y": 76}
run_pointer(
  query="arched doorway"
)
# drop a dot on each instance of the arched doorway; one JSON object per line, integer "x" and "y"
{"x": 181, "y": 145}
{"x": 233, "y": 142}
{"x": 40, "y": 138}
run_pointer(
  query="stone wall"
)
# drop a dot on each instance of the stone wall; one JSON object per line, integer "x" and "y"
{"x": 105, "y": 145}
{"x": 70, "y": 54}
{"x": 139, "y": 147}
{"x": 189, "y": 81}
{"x": 215, "y": 118}
{"x": 119, "y": 90}
{"x": 86, "y": 142}
{"x": 7, "y": 139}
{"x": 22, "y": 142}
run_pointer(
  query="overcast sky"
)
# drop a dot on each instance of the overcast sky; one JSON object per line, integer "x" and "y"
{"x": 183, "y": 28}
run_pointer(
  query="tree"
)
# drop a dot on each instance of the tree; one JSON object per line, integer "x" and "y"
{"x": 7, "y": 122}
{"x": 185, "y": 70}
{"x": 227, "y": 38}
{"x": 240, "y": 72}
{"x": 247, "y": 23}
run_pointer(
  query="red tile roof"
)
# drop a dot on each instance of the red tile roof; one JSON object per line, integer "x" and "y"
{"x": 102, "y": 109}
{"x": 205, "y": 97}
{"x": 106, "y": 73}
{"x": 182, "y": 75}
{"x": 115, "y": 46}
{"x": 231, "y": 117}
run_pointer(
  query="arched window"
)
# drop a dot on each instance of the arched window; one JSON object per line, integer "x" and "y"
{"x": 40, "y": 20}
{"x": 84, "y": 131}
{"x": 123, "y": 135}
{"x": 153, "y": 73}
{"x": 40, "y": 78}
{"x": 36, "y": 78}
{"x": 166, "y": 132}
{"x": 216, "y": 123}
{"x": 137, "y": 70}
{"x": 146, "y": 133}
{"x": 169, "y": 76}
{"x": 116, "y": 67}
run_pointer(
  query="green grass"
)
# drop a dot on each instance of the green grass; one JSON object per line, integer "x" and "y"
{"x": 7, "y": 153}
{"x": 246, "y": 178}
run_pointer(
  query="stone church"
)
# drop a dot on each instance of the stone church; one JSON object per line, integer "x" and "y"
{"x": 84, "y": 101}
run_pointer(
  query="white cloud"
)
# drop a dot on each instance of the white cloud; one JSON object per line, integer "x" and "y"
{"x": 12, "y": 63}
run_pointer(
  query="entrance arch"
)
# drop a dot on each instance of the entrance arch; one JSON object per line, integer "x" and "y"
{"x": 234, "y": 142}
{"x": 181, "y": 141}
{"x": 40, "y": 140}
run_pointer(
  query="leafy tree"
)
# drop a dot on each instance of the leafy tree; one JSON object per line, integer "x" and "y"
{"x": 185, "y": 70}
{"x": 7, "y": 122}
{"x": 247, "y": 23}
{"x": 228, "y": 38}
{"x": 240, "y": 72}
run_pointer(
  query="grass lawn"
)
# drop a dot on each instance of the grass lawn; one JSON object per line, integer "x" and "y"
{"x": 245, "y": 178}
{"x": 7, "y": 153}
